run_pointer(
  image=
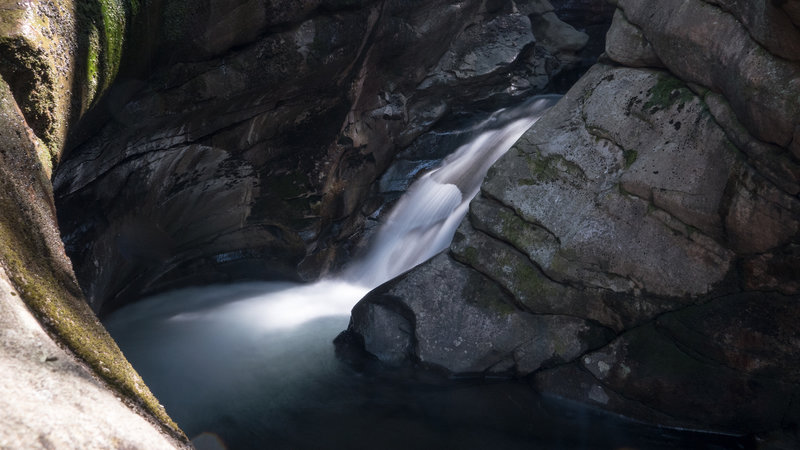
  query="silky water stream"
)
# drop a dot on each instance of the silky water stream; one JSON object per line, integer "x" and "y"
{"x": 252, "y": 365}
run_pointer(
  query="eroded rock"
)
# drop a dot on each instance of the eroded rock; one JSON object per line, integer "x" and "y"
{"x": 268, "y": 141}
{"x": 662, "y": 205}
{"x": 45, "y": 86}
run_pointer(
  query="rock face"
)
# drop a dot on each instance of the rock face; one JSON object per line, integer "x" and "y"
{"x": 51, "y": 400}
{"x": 637, "y": 250}
{"x": 49, "y": 76}
{"x": 253, "y": 153}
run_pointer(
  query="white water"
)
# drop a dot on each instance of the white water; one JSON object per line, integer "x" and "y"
{"x": 423, "y": 221}
{"x": 252, "y": 366}
{"x": 259, "y": 349}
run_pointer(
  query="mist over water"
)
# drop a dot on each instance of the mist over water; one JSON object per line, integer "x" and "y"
{"x": 254, "y": 364}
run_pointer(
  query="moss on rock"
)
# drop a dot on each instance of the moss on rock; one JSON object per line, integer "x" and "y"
{"x": 101, "y": 27}
{"x": 667, "y": 92}
{"x": 59, "y": 57}
{"x": 630, "y": 157}
{"x": 32, "y": 255}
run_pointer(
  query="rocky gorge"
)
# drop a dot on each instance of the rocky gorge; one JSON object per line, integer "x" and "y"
{"x": 636, "y": 250}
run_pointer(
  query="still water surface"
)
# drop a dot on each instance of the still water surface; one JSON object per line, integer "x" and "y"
{"x": 219, "y": 368}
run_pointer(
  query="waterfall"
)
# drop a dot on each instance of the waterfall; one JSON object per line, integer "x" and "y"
{"x": 423, "y": 221}
{"x": 221, "y": 358}
{"x": 251, "y": 365}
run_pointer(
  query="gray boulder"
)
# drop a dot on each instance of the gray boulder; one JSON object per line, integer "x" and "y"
{"x": 659, "y": 202}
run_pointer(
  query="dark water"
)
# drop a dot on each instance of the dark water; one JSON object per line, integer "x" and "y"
{"x": 219, "y": 367}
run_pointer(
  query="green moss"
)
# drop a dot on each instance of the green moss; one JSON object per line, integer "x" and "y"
{"x": 515, "y": 230}
{"x": 93, "y": 64}
{"x": 470, "y": 256}
{"x": 529, "y": 280}
{"x": 115, "y": 22}
{"x": 102, "y": 24}
{"x": 546, "y": 169}
{"x": 563, "y": 259}
{"x": 54, "y": 297}
{"x": 486, "y": 295}
{"x": 667, "y": 92}
{"x": 542, "y": 169}
{"x": 25, "y": 70}
{"x": 630, "y": 157}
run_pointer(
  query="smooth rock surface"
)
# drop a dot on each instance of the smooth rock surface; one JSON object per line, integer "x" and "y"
{"x": 628, "y": 46}
{"x": 50, "y": 399}
{"x": 54, "y": 64}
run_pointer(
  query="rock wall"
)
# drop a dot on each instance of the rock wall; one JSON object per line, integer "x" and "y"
{"x": 63, "y": 377}
{"x": 638, "y": 249}
{"x": 253, "y": 152}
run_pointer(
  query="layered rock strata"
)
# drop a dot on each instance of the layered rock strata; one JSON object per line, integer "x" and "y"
{"x": 637, "y": 250}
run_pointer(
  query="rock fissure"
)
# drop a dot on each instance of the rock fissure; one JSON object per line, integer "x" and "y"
{"x": 720, "y": 6}
{"x": 514, "y": 301}
{"x": 527, "y": 257}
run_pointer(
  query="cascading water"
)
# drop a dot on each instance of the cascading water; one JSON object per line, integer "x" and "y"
{"x": 425, "y": 218}
{"x": 254, "y": 364}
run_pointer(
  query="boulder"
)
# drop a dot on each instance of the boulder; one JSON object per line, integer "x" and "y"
{"x": 401, "y": 322}
{"x": 657, "y": 200}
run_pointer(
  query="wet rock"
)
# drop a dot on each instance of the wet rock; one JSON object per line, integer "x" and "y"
{"x": 754, "y": 334}
{"x": 583, "y": 13}
{"x": 268, "y": 138}
{"x": 644, "y": 373}
{"x": 659, "y": 202}
{"x": 775, "y": 271}
{"x": 760, "y": 217}
{"x": 556, "y": 35}
{"x": 483, "y": 49}
{"x": 401, "y": 322}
